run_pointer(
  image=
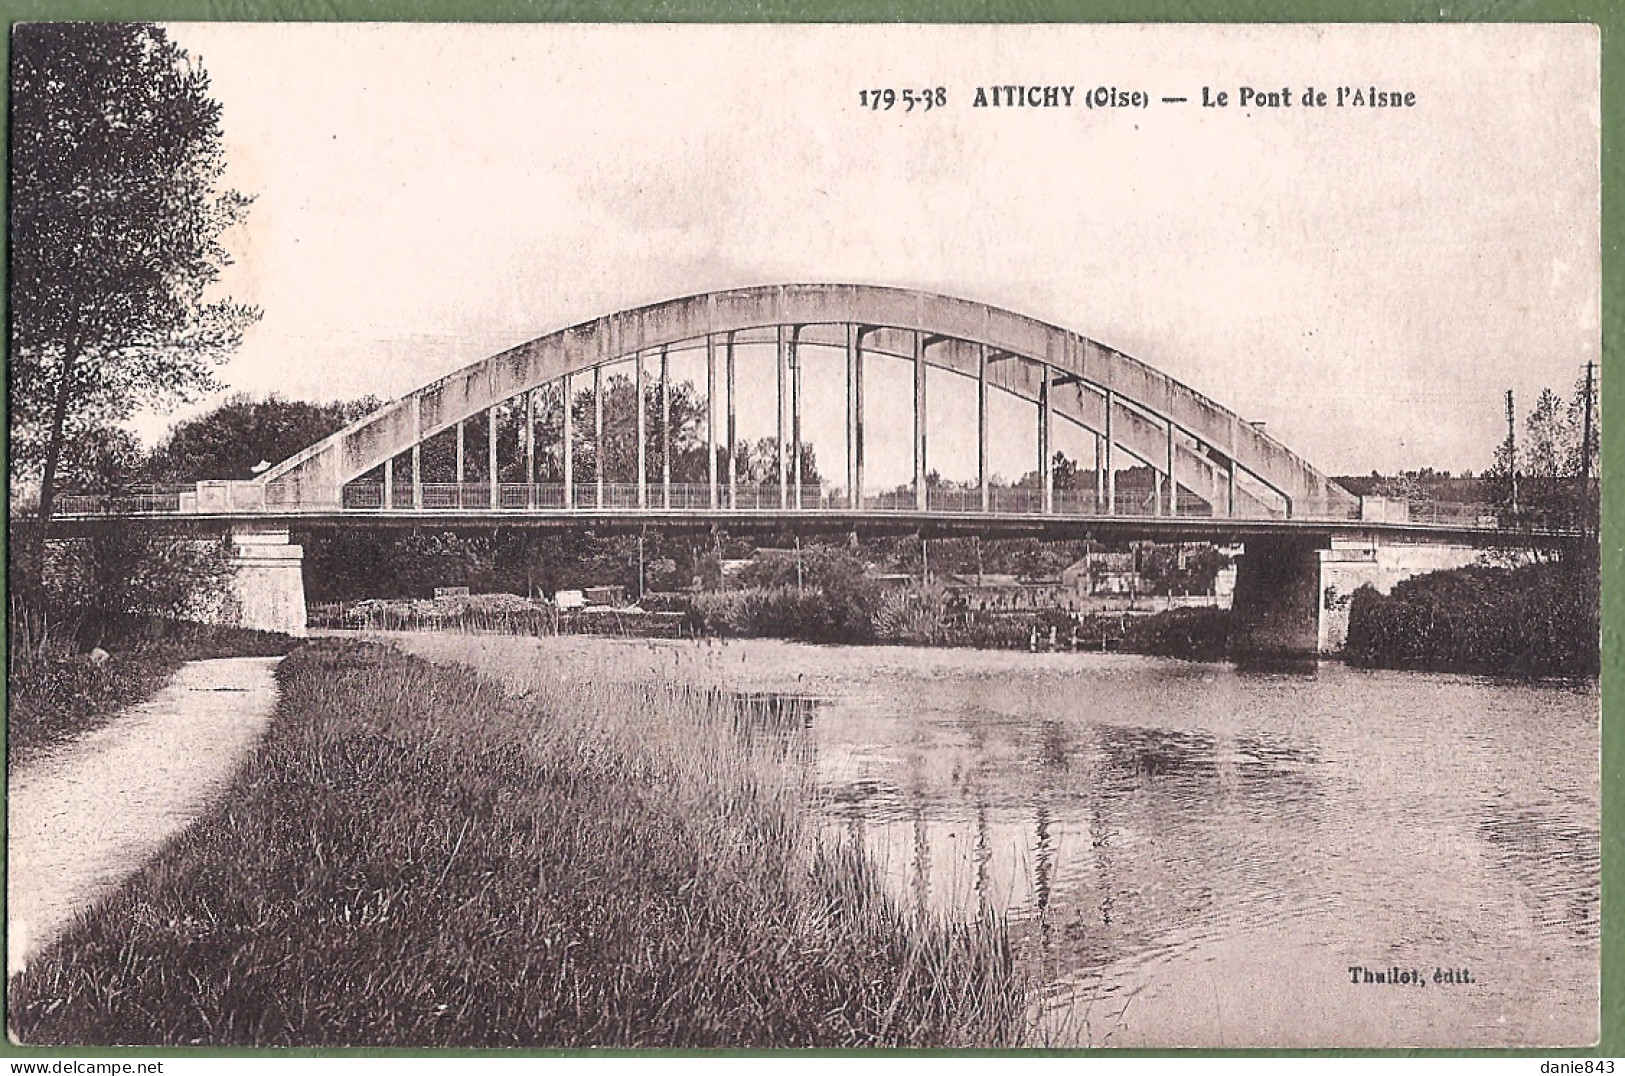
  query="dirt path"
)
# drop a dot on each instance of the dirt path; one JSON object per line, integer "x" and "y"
{"x": 81, "y": 819}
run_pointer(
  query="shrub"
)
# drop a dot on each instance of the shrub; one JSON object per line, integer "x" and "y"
{"x": 1535, "y": 620}
{"x": 813, "y": 614}
{"x": 1195, "y": 634}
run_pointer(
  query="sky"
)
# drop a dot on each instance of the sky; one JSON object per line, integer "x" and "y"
{"x": 1366, "y": 281}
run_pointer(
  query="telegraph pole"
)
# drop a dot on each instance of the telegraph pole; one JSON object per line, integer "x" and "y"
{"x": 1512, "y": 451}
{"x": 1585, "y": 438}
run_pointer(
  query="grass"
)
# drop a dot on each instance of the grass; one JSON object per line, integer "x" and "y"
{"x": 53, "y": 696}
{"x": 56, "y": 701}
{"x": 415, "y": 858}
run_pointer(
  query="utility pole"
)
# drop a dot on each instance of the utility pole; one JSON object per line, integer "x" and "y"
{"x": 640, "y": 566}
{"x": 1512, "y": 451}
{"x": 1585, "y": 438}
{"x": 716, "y": 548}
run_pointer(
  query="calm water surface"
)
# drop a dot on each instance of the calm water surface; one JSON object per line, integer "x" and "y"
{"x": 1195, "y": 855}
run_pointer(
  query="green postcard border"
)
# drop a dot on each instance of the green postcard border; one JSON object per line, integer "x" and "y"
{"x": 1609, "y": 15}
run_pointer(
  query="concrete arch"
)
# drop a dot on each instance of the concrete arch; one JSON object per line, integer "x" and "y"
{"x": 1082, "y": 379}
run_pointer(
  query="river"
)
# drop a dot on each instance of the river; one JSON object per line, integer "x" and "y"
{"x": 1195, "y": 855}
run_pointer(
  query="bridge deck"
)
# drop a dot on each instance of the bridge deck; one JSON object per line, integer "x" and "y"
{"x": 867, "y": 521}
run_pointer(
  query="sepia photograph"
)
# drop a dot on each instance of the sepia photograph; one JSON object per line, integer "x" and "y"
{"x": 573, "y": 536}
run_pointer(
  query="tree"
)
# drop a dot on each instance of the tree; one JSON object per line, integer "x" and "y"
{"x": 1547, "y": 450}
{"x": 104, "y": 459}
{"x": 1064, "y": 472}
{"x": 620, "y": 441}
{"x": 1584, "y": 447}
{"x": 110, "y": 584}
{"x": 1543, "y": 482}
{"x": 115, "y": 234}
{"x": 234, "y": 438}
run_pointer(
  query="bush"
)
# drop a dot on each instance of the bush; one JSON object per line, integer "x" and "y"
{"x": 1194, "y": 634}
{"x": 107, "y": 588}
{"x": 1535, "y": 620}
{"x": 813, "y": 614}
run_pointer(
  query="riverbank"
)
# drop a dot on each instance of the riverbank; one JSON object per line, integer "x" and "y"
{"x": 416, "y": 858}
{"x": 900, "y": 617}
{"x": 54, "y": 697}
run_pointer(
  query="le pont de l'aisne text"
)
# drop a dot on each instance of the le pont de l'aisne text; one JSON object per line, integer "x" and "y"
{"x": 1340, "y": 97}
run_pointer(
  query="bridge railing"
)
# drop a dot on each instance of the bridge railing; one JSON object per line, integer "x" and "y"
{"x": 624, "y": 496}
{"x": 118, "y": 504}
{"x": 208, "y": 498}
{"x": 1455, "y": 513}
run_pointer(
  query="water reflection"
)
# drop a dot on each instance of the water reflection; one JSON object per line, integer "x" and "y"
{"x": 1543, "y": 852}
{"x": 1193, "y": 855}
{"x": 777, "y": 722}
{"x": 1257, "y": 821}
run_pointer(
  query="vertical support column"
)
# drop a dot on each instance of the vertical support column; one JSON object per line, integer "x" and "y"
{"x": 782, "y": 362}
{"x": 1111, "y": 474}
{"x": 1230, "y": 490}
{"x": 417, "y": 476}
{"x": 854, "y": 416}
{"x": 491, "y": 454}
{"x": 389, "y": 483}
{"x": 795, "y": 412}
{"x": 265, "y": 581}
{"x": 598, "y": 433}
{"x": 665, "y": 429}
{"x": 1173, "y": 483}
{"x": 460, "y": 471}
{"x": 983, "y": 479}
{"x": 1277, "y": 608}
{"x": 643, "y": 432}
{"x": 919, "y": 421}
{"x": 711, "y": 415}
{"x": 1100, "y": 476}
{"x": 417, "y": 454}
{"x": 733, "y": 462}
{"x": 530, "y": 449}
{"x": 1156, "y": 492}
{"x": 1046, "y": 430}
{"x": 569, "y": 451}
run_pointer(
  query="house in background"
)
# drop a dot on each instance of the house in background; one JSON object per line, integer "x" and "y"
{"x": 1105, "y": 573}
{"x": 613, "y": 596}
{"x": 993, "y": 592}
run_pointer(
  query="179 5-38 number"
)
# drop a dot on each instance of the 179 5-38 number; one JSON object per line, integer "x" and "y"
{"x": 883, "y": 100}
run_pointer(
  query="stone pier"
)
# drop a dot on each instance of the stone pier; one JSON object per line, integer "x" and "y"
{"x": 267, "y": 580}
{"x": 1293, "y": 594}
{"x": 1276, "y": 609}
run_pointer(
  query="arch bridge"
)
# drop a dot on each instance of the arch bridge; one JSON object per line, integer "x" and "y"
{"x": 540, "y": 411}
{"x": 593, "y": 425}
